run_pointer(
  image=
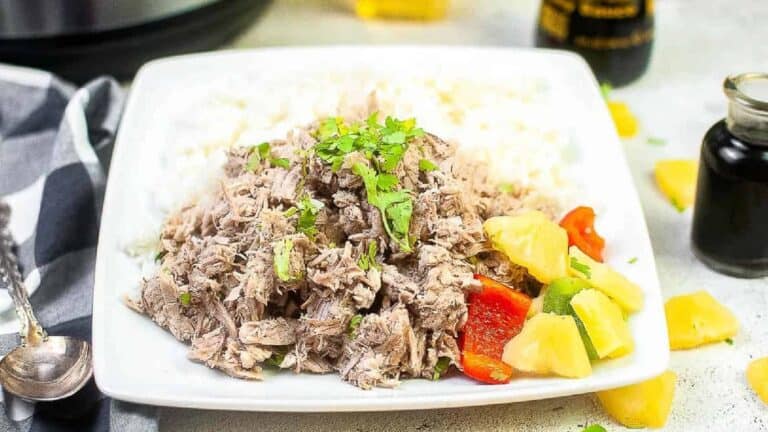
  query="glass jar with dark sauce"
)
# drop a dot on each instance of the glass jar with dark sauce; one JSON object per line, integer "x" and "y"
{"x": 730, "y": 221}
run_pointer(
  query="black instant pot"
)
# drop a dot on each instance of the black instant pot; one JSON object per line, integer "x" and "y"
{"x": 80, "y": 39}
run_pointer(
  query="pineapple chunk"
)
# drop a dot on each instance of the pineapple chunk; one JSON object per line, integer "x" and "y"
{"x": 547, "y": 344}
{"x": 696, "y": 319}
{"x": 757, "y": 377}
{"x": 532, "y": 241}
{"x": 645, "y": 404}
{"x": 604, "y": 322}
{"x": 625, "y": 121}
{"x": 677, "y": 181}
{"x": 613, "y": 284}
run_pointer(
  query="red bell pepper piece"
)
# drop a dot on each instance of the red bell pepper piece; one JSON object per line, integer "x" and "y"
{"x": 579, "y": 223}
{"x": 495, "y": 315}
{"x": 485, "y": 369}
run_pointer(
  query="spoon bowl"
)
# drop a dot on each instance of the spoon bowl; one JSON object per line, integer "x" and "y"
{"x": 53, "y": 369}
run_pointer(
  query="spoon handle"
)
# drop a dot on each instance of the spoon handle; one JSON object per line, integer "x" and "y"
{"x": 31, "y": 331}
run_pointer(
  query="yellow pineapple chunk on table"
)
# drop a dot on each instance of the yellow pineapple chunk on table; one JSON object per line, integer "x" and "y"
{"x": 697, "y": 319}
{"x": 676, "y": 178}
{"x": 645, "y": 404}
{"x": 757, "y": 377}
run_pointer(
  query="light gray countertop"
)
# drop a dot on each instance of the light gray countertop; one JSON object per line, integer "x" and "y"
{"x": 697, "y": 44}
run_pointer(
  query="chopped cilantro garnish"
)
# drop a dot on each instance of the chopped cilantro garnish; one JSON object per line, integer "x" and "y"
{"x": 594, "y": 428}
{"x": 427, "y": 165}
{"x": 386, "y": 181}
{"x": 606, "y": 89}
{"x": 260, "y": 153}
{"x": 581, "y": 267}
{"x": 384, "y": 147}
{"x": 160, "y": 255}
{"x": 508, "y": 188}
{"x": 656, "y": 141}
{"x": 368, "y": 260}
{"x": 678, "y": 206}
{"x": 729, "y": 341}
{"x": 354, "y": 323}
{"x": 185, "y": 298}
{"x": 282, "y": 250}
{"x": 441, "y": 367}
{"x": 632, "y": 260}
{"x": 308, "y": 209}
{"x": 290, "y": 212}
{"x": 276, "y": 359}
{"x": 396, "y": 207}
{"x": 279, "y": 162}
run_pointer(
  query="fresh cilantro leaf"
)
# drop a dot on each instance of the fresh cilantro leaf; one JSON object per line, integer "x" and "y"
{"x": 507, "y": 188}
{"x": 260, "y": 153}
{"x": 729, "y": 341}
{"x": 594, "y": 428}
{"x": 346, "y": 144}
{"x": 427, "y": 165}
{"x": 185, "y": 298}
{"x": 656, "y": 141}
{"x": 441, "y": 367}
{"x": 372, "y": 250}
{"x": 678, "y": 206}
{"x": 632, "y": 260}
{"x": 386, "y": 181}
{"x": 160, "y": 255}
{"x": 308, "y": 209}
{"x": 397, "y": 137}
{"x": 373, "y": 121}
{"x": 363, "y": 263}
{"x": 290, "y": 212}
{"x": 263, "y": 149}
{"x": 384, "y": 146}
{"x": 581, "y": 267}
{"x": 399, "y": 215}
{"x": 253, "y": 161}
{"x": 606, "y": 89}
{"x": 368, "y": 260}
{"x": 276, "y": 359}
{"x": 354, "y": 323}
{"x": 282, "y": 251}
{"x": 279, "y": 162}
{"x": 329, "y": 128}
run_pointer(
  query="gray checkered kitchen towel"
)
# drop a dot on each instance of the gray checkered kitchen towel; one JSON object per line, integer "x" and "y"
{"x": 55, "y": 145}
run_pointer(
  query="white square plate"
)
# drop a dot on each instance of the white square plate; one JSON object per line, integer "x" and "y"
{"x": 135, "y": 360}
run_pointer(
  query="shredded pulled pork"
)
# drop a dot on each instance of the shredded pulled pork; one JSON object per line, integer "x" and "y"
{"x": 219, "y": 290}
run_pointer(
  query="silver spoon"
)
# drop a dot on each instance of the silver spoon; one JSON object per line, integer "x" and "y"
{"x": 42, "y": 368}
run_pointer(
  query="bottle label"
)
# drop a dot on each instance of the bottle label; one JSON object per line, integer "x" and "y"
{"x": 608, "y": 9}
{"x": 557, "y": 17}
{"x": 554, "y": 19}
{"x": 636, "y": 38}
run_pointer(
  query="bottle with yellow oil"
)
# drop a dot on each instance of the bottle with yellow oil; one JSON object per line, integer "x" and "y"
{"x": 425, "y": 10}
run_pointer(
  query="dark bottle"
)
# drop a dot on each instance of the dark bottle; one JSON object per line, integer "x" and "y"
{"x": 614, "y": 36}
{"x": 730, "y": 220}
